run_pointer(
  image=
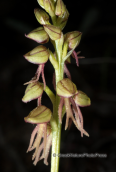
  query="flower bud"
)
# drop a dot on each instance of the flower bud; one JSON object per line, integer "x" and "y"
{"x": 53, "y": 31}
{"x": 49, "y": 7}
{"x": 39, "y": 35}
{"x": 73, "y": 38}
{"x": 66, "y": 88}
{"x": 33, "y": 91}
{"x": 41, "y": 3}
{"x": 41, "y": 16}
{"x": 61, "y": 21}
{"x": 60, "y": 8}
{"x": 40, "y": 114}
{"x": 39, "y": 55}
{"x": 81, "y": 99}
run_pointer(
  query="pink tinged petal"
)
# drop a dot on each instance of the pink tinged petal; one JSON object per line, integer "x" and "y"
{"x": 75, "y": 110}
{"x": 67, "y": 71}
{"x": 38, "y": 139}
{"x": 45, "y": 138}
{"x": 76, "y": 57}
{"x": 37, "y": 158}
{"x": 79, "y": 118}
{"x": 39, "y": 101}
{"x": 80, "y": 57}
{"x": 69, "y": 113}
{"x": 40, "y": 70}
{"x": 49, "y": 143}
{"x": 84, "y": 132}
{"x": 47, "y": 149}
{"x": 32, "y": 137}
{"x": 60, "y": 109}
{"x": 37, "y": 75}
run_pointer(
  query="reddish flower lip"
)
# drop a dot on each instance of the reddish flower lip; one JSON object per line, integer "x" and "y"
{"x": 38, "y": 133}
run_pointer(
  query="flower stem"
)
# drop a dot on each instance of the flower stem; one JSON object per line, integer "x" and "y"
{"x": 56, "y": 137}
{"x": 56, "y": 132}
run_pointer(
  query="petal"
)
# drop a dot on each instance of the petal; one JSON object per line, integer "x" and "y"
{"x": 69, "y": 113}
{"x": 32, "y": 137}
{"x": 42, "y": 129}
{"x": 67, "y": 71}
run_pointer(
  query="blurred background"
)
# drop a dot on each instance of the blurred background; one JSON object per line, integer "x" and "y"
{"x": 95, "y": 76}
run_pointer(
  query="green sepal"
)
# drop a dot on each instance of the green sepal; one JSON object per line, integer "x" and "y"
{"x": 53, "y": 31}
{"x": 60, "y": 8}
{"x": 81, "y": 99}
{"x": 33, "y": 91}
{"x": 41, "y": 3}
{"x": 66, "y": 88}
{"x": 39, "y": 35}
{"x": 39, "y": 55}
{"x": 73, "y": 38}
{"x": 41, "y": 16}
{"x": 49, "y": 7}
{"x": 62, "y": 20}
{"x": 40, "y": 114}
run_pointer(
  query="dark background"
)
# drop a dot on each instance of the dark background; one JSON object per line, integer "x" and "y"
{"x": 95, "y": 76}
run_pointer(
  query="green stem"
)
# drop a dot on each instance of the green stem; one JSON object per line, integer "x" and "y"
{"x": 55, "y": 124}
{"x": 56, "y": 132}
